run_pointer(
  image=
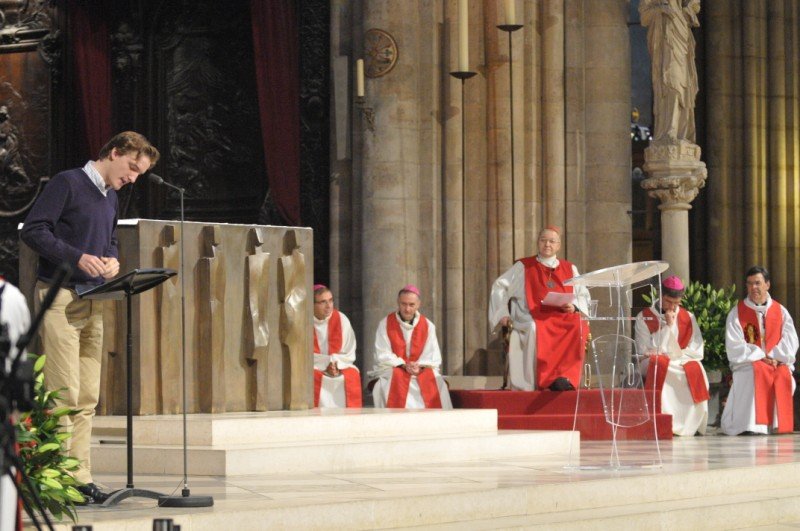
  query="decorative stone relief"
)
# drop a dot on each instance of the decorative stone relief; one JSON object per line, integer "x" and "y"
{"x": 257, "y": 331}
{"x": 676, "y": 173}
{"x": 211, "y": 321}
{"x": 294, "y": 325}
{"x": 168, "y": 299}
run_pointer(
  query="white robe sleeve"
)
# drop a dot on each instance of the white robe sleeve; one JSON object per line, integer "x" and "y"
{"x": 739, "y": 351}
{"x": 786, "y": 349}
{"x": 347, "y": 356}
{"x": 694, "y": 350}
{"x": 644, "y": 339}
{"x": 509, "y": 284}
{"x": 384, "y": 357}
{"x": 582, "y": 295}
{"x": 665, "y": 340}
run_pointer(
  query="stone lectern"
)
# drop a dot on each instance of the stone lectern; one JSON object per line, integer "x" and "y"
{"x": 249, "y": 309}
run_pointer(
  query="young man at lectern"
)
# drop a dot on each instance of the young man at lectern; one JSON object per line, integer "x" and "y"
{"x": 74, "y": 221}
{"x": 547, "y": 343}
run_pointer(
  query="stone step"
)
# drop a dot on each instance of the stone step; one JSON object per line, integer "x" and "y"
{"x": 314, "y": 425}
{"x": 701, "y": 499}
{"x": 592, "y": 427}
{"x": 271, "y": 457}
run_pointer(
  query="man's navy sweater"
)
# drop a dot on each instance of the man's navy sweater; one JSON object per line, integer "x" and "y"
{"x": 70, "y": 218}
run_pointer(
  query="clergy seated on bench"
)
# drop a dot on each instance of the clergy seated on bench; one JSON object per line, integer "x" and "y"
{"x": 337, "y": 381}
{"x": 547, "y": 343}
{"x": 670, "y": 336}
{"x": 408, "y": 359}
{"x": 761, "y": 342}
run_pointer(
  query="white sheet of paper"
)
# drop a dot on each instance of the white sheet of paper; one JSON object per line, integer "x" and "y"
{"x": 558, "y": 299}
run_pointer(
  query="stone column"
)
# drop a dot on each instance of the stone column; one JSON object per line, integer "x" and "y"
{"x": 673, "y": 159}
{"x": 676, "y": 176}
{"x": 394, "y": 210}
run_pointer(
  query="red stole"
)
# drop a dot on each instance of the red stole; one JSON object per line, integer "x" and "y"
{"x": 334, "y": 334}
{"x": 560, "y": 336}
{"x": 352, "y": 378}
{"x": 773, "y": 385}
{"x": 693, "y": 369}
{"x": 401, "y": 379}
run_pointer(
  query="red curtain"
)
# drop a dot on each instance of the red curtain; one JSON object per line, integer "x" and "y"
{"x": 92, "y": 50}
{"x": 275, "y": 48}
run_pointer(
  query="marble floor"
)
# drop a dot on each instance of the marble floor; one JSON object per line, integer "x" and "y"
{"x": 234, "y": 494}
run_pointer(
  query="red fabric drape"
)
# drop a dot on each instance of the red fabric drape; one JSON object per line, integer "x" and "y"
{"x": 276, "y": 53}
{"x": 91, "y": 56}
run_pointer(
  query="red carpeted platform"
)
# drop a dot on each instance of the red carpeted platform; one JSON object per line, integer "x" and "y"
{"x": 550, "y": 410}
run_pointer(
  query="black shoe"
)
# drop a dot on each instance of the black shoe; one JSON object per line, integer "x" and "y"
{"x": 561, "y": 384}
{"x": 92, "y": 493}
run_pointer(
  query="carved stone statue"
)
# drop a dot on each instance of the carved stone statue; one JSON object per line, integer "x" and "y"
{"x": 295, "y": 324}
{"x": 169, "y": 316}
{"x": 671, "y": 43}
{"x": 257, "y": 333}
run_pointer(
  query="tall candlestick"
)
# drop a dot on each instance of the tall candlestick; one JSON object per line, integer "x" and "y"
{"x": 360, "y": 78}
{"x": 511, "y": 13}
{"x": 463, "y": 36}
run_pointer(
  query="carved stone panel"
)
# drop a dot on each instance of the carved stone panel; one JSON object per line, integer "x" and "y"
{"x": 211, "y": 321}
{"x": 294, "y": 324}
{"x": 257, "y": 330}
{"x": 168, "y": 309}
{"x": 29, "y": 59}
{"x": 207, "y": 110}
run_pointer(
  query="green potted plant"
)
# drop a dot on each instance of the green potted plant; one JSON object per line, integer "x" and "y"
{"x": 710, "y": 307}
{"x": 41, "y": 446}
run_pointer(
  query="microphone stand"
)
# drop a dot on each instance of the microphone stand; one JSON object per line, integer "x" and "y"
{"x": 185, "y": 499}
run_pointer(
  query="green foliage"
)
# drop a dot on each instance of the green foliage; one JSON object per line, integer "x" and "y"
{"x": 41, "y": 440}
{"x": 710, "y": 307}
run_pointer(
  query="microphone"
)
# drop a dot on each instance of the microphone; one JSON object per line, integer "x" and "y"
{"x": 157, "y": 179}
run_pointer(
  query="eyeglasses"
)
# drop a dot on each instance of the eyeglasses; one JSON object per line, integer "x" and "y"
{"x": 548, "y": 240}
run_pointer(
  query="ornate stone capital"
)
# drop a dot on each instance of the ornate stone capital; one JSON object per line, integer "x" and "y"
{"x": 675, "y": 173}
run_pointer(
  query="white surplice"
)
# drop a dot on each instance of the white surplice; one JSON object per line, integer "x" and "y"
{"x": 739, "y": 414}
{"x": 688, "y": 417}
{"x": 386, "y": 361}
{"x": 510, "y": 286}
{"x": 332, "y": 392}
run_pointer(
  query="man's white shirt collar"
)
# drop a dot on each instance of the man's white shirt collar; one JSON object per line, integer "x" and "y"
{"x": 756, "y": 307}
{"x": 551, "y": 262}
{"x": 322, "y": 321}
{"x": 404, "y": 324}
{"x": 96, "y": 178}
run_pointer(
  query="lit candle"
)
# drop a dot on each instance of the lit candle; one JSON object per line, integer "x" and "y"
{"x": 360, "y": 78}
{"x": 463, "y": 36}
{"x": 511, "y": 14}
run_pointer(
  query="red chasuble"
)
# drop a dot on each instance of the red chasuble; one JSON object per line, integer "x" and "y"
{"x": 398, "y": 391}
{"x": 693, "y": 369}
{"x": 352, "y": 378}
{"x": 772, "y": 384}
{"x": 560, "y": 336}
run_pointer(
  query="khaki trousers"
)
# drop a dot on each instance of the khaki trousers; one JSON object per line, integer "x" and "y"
{"x": 72, "y": 340}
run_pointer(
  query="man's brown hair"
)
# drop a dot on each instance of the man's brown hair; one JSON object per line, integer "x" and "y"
{"x": 130, "y": 142}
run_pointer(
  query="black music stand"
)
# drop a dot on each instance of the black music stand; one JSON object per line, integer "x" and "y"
{"x": 129, "y": 284}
